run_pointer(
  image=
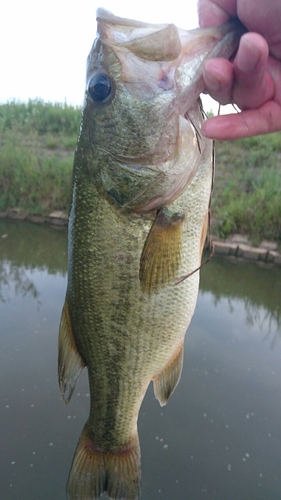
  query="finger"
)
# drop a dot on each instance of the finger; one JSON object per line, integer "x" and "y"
{"x": 213, "y": 13}
{"x": 252, "y": 85}
{"x": 218, "y": 77}
{"x": 264, "y": 120}
{"x": 263, "y": 17}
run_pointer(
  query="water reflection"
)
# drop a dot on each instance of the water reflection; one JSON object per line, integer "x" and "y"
{"x": 219, "y": 436}
{"x": 26, "y": 247}
{"x": 33, "y": 246}
{"x": 16, "y": 277}
{"x": 257, "y": 286}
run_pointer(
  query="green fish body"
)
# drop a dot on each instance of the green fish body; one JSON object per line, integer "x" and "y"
{"x": 141, "y": 189}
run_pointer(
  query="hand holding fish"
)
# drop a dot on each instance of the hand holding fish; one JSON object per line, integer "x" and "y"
{"x": 252, "y": 79}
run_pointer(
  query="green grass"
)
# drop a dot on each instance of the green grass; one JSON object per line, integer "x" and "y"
{"x": 36, "y": 155}
{"x": 40, "y": 116}
{"x": 246, "y": 197}
{"x": 32, "y": 179}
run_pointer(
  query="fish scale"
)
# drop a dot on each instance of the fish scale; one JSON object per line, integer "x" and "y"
{"x": 142, "y": 181}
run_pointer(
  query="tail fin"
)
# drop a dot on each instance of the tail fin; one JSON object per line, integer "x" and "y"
{"x": 94, "y": 472}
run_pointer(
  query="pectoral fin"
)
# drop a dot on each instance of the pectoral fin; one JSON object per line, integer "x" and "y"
{"x": 166, "y": 382}
{"x": 70, "y": 362}
{"x": 162, "y": 252}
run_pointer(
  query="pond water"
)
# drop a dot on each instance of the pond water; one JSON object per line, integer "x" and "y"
{"x": 219, "y": 438}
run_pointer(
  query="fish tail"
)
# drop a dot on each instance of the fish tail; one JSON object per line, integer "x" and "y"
{"x": 94, "y": 472}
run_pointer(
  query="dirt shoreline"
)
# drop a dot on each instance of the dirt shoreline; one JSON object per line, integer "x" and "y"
{"x": 57, "y": 218}
{"x": 236, "y": 246}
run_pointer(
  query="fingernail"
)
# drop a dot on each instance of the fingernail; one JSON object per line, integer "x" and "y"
{"x": 247, "y": 55}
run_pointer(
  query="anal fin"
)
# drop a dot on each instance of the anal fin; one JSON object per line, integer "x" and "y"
{"x": 162, "y": 252}
{"x": 70, "y": 362}
{"x": 94, "y": 471}
{"x": 168, "y": 379}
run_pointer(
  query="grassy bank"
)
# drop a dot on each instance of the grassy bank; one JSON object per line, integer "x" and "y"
{"x": 247, "y": 190}
{"x": 36, "y": 156}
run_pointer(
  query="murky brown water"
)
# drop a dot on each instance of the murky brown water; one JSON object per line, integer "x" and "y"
{"x": 219, "y": 438}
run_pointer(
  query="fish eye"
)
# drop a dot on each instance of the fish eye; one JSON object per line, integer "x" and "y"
{"x": 100, "y": 87}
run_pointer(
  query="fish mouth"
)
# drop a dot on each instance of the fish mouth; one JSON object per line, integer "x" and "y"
{"x": 159, "y": 65}
{"x": 198, "y": 46}
{"x": 161, "y": 58}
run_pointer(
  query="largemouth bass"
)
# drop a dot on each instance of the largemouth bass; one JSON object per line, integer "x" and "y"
{"x": 139, "y": 215}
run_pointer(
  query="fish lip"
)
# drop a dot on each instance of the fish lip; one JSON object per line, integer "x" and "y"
{"x": 105, "y": 15}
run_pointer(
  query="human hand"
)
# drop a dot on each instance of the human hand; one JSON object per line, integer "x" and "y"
{"x": 253, "y": 79}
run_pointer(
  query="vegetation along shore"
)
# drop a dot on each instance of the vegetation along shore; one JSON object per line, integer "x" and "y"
{"x": 38, "y": 140}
